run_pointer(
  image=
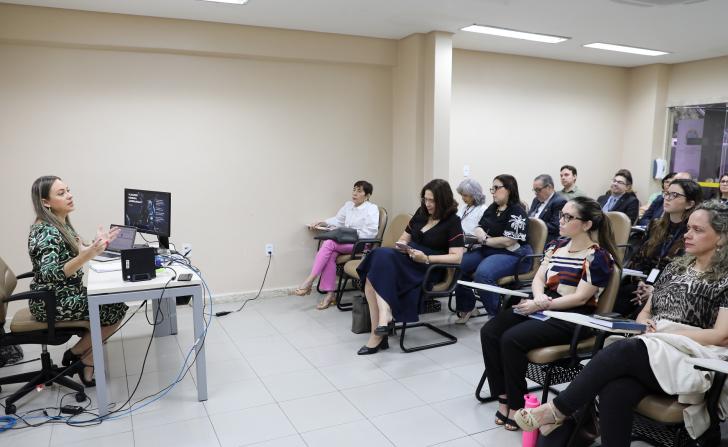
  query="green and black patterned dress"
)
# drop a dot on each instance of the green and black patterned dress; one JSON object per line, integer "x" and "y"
{"x": 49, "y": 253}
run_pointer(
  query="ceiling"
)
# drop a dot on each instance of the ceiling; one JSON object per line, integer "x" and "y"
{"x": 688, "y": 29}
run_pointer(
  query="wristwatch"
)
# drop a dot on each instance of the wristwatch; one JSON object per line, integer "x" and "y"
{"x": 427, "y": 259}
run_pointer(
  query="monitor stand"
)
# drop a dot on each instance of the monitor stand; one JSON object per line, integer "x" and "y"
{"x": 163, "y": 242}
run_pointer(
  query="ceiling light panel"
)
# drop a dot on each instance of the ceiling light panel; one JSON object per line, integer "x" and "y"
{"x": 504, "y": 32}
{"x": 625, "y": 49}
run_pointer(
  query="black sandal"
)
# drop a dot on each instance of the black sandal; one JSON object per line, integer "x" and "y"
{"x": 503, "y": 420}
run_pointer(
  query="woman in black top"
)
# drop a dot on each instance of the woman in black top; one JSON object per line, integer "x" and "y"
{"x": 662, "y": 242}
{"x": 692, "y": 291}
{"x": 502, "y": 233}
{"x": 392, "y": 277}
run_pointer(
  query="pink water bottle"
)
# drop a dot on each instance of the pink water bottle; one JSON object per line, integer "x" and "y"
{"x": 530, "y": 437}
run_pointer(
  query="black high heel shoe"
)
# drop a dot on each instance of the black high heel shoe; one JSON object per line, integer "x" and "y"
{"x": 69, "y": 358}
{"x": 366, "y": 350}
{"x": 385, "y": 330}
{"x": 87, "y": 383}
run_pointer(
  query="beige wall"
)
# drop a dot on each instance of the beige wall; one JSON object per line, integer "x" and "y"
{"x": 251, "y": 148}
{"x": 699, "y": 82}
{"x": 527, "y": 116}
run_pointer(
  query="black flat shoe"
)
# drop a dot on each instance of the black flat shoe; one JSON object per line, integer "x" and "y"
{"x": 366, "y": 350}
{"x": 385, "y": 330}
{"x": 69, "y": 358}
{"x": 87, "y": 383}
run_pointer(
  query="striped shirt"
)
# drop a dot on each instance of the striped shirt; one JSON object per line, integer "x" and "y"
{"x": 566, "y": 270}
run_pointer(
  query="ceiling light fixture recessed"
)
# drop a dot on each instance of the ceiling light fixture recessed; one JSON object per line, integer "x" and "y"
{"x": 236, "y": 2}
{"x": 504, "y": 32}
{"x": 624, "y": 49}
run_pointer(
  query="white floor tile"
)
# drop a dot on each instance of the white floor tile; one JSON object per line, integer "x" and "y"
{"x": 270, "y": 364}
{"x": 400, "y": 364}
{"x": 462, "y": 442}
{"x": 125, "y": 439}
{"x": 437, "y": 386}
{"x": 192, "y": 433}
{"x": 326, "y": 410}
{"x": 354, "y": 374}
{"x": 252, "y": 425}
{"x": 469, "y": 414}
{"x": 64, "y": 434}
{"x": 238, "y": 395}
{"x": 382, "y": 398}
{"x": 298, "y": 384}
{"x": 288, "y": 441}
{"x": 498, "y": 436}
{"x": 417, "y": 427}
{"x": 355, "y": 434}
{"x": 27, "y": 437}
{"x": 329, "y": 355}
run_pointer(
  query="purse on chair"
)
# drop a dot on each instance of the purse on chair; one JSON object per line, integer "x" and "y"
{"x": 361, "y": 322}
{"x": 341, "y": 235}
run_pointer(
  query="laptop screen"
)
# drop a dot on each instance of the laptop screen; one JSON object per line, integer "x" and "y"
{"x": 125, "y": 239}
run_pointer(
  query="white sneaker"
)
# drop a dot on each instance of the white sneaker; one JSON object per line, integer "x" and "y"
{"x": 466, "y": 316}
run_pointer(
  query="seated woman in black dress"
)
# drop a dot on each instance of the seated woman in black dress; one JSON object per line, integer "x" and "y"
{"x": 689, "y": 300}
{"x": 392, "y": 278}
{"x": 662, "y": 242}
{"x": 573, "y": 274}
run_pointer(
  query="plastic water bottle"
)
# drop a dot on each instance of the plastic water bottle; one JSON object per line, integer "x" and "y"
{"x": 530, "y": 437}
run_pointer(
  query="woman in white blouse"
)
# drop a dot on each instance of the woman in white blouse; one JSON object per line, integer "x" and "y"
{"x": 360, "y": 214}
{"x": 473, "y": 206}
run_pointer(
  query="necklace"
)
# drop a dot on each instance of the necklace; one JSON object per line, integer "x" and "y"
{"x": 499, "y": 211}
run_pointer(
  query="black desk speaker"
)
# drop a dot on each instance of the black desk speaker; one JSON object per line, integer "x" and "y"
{"x": 137, "y": 264}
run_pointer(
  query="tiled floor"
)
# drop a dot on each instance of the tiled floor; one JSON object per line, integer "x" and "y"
{"x": 283, "y": 374}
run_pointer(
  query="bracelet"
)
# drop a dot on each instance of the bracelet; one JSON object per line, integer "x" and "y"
{"x": 427, "y": 259}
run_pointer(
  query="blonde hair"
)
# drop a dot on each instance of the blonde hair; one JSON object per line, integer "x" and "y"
{"x": 40, "y": 190}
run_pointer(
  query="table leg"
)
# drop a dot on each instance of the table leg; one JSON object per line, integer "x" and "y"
{"x": 97, "y": 345}
{"x": 164, "y": 310}
{"x": 199, "y": 323}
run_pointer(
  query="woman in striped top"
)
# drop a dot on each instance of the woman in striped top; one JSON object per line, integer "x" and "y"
{"x": 573, "y": 274}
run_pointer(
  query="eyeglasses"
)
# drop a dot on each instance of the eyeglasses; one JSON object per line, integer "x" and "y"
{"x": 568, "y": 217}
{"x": 538, "y": 190}
{"x": 495, "y": 188}
{"x": 672, "y": 195}
{"x": 724, "y": 182}
{"x": 619, "y": 182}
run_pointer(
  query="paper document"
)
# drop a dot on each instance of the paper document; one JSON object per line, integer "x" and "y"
{"x": 103, "y": 267}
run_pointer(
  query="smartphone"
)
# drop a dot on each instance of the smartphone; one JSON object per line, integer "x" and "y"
{"x": 184, "y": 277}
{"x": 401, "y": 247}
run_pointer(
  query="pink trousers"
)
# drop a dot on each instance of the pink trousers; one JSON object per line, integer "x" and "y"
{"x": 325, "y": 263}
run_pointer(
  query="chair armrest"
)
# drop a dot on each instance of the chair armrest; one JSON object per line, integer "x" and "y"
{"x": 431, "y": 270}
{"x": 364, "y": 246}
{"x": 39, "y": 294}
{"x": 521, "y": 259}
{"x": 25, "y": 275}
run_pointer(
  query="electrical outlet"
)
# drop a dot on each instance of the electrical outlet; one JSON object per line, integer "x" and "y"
{"x": 269, "y": 249}
{"x": 186, "y": 248}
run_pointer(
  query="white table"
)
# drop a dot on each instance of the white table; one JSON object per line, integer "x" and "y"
{"x": 109, "y": 288}
{"x": 583, "y": 320}
{"x": 712, "y": 364}
{"x": 494, "y": 289}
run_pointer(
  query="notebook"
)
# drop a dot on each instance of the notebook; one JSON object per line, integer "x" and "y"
{"x": 124, "y": 241}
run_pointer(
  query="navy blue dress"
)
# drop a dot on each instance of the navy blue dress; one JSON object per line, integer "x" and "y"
{"x": 397, "y": 278}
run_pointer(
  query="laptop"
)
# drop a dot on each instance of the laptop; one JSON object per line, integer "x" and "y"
{"x": 124, "y": 241}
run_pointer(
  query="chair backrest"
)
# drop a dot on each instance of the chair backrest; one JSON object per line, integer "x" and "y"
{"x": 537, "y": 234}
{"x": 382, "y": 222}
{"x": 7, "y": 286}
{"x": 609, "y": 294}
{"x": 395, "y": 229}
{"x": 621, "y": 226}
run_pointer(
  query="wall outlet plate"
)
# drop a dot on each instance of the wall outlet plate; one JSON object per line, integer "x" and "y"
{"x": 268, "y": 249}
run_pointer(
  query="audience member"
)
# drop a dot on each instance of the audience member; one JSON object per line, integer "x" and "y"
{"x": 723, "y": 188}
{"x": 679, "y": 323}
{"x": 620, "y": 196}
{"x": 392, "y": 278}
{"x": 655, "y": 210}
{"x": 547, "y": 204}
{"x": 567, "y": 173}
{"x": 502, "y": 233}
{"x": 473, "y": 206}
{"x": 661, "y": 244}
{"x": 573, "y": 274}
{"x": 360, "y": 214}
{"x": 58, "y": 256}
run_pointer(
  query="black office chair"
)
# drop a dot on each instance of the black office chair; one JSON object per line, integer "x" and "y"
{"x": 24, "y": 329}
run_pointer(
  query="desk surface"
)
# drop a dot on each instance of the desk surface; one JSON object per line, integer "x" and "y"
{"x": 111, "y": 282}
{"x": 583, "y": 320}
{"x": 713, "y": 364}
{"x": 495, "y": 289}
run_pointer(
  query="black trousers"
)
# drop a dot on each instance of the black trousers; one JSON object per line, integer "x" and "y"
{"x": 621, "y": 375}
{"x": 506, "y": 340}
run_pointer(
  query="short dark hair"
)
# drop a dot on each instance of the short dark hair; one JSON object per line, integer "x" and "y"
{"x": 570, "y": 168}
{"x": 365, "y": 186}
{"x": 511, "y": 185}
{"x": 669, "y": 176}
{"x": 626, "y": 174}
{"x": 445, "y": 203}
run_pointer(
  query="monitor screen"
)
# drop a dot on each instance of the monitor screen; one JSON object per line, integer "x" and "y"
{"x": 148, "y": 211}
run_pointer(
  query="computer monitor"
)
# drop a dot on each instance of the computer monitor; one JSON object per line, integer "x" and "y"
{"x": 149, "y": 212}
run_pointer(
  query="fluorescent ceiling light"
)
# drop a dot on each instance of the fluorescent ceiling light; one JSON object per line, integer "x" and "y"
{"x": 503, "y": 32}
{"x": 237, "y": 2}
{"x": 623, "y": 49}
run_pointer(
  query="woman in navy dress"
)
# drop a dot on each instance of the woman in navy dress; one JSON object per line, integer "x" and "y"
{"x": 392, "y": 277}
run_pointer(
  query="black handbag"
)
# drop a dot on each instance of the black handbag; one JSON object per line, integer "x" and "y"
{"x": 341, "y": 235}
{"x": 361, "y": 322}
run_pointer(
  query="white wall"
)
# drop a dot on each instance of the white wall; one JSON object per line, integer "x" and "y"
{"x": 526, "y": 116}
{"x": 699, "y": 82}
{"x": 251, "y": 148}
